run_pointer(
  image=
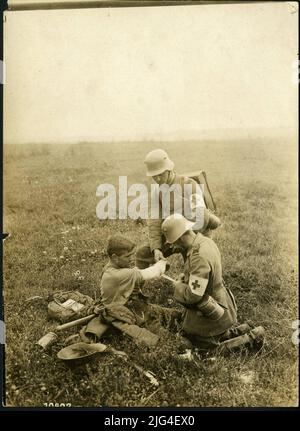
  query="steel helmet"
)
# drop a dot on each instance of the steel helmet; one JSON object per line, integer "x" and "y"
{"x": 157, "y": 161}
{"x": 175, "y": 226}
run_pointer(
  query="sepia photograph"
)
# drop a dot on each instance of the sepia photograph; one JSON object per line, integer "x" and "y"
{"x": 150, "y": 205}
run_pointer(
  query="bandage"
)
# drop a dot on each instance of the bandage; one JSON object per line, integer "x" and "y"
{"x": 155, "y": 270}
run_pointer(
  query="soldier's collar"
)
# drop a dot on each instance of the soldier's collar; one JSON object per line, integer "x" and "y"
{"x": 172, "y": 178}
{"x": 195, "y": 243}
{"x": 113, "y": 265}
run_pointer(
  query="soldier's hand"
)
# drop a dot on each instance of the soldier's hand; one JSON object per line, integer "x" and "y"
{"x": 181, "y": 277}
{"x": 162, "y": 263}
{"x": 97, "y": 309}
{"x": 158, "y": 255}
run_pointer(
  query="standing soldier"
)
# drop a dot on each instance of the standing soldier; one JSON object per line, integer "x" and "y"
{"x": 182, "y": 195}
{"x": 210, "y": 317}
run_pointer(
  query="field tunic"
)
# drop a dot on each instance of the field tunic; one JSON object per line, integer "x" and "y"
{"x": 120, "y": 290}
{"x": 203, "y": 281}
{"x": 129, "y": 310}
{"x": 156, "y": 238}
{"x": 119, "y": 284}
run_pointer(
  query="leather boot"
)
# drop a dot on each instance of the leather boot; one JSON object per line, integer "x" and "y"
{"x": 242, "y": 329}
{"x": 253, "y": 339}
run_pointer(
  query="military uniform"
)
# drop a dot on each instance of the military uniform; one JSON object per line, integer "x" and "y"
{"x": 128, "y": 309}
{"x": 178, "y": 203}
{"x": 210, "y": 308}
{"x": 118, "y": 284}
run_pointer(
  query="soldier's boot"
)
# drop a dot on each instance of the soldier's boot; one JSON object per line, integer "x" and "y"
{"x": 258, "y": 336}
{"x": 242, "y": 329}
{"x": 93, "y": 331}
{"x": 253, "y": 339}
{"x": 183, "y": 343}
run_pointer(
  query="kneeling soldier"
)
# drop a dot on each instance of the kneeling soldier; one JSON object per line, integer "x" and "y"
{"x": 210, "y": 317}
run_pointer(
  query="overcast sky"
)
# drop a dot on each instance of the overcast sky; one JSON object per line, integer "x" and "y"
{"x": 149, "y": 73}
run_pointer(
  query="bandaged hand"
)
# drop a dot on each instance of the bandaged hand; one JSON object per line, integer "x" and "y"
{"x": 155, "y": 270}
{"x": 158, "y": 255}
{"x": 162, "y": 264}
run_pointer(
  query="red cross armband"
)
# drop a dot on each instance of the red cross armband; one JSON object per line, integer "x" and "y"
{"x": 197, "y": 285}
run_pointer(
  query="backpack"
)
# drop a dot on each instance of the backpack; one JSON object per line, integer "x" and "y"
{"x": 67, "y": 305}
{"x": 201, "y": 178}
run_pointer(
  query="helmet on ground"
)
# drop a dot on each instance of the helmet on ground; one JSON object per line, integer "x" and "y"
{"x": 175, "y": 226}
{"x": 78, "y": 353}
{"x": 157, "y": 162}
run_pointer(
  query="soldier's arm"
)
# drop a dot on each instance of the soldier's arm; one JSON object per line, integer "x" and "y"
{"x": 192, "y": 292}
{"x": 154, "y": 224}
{"x": 154, "y": 271}
{"x": 154, "y": 231}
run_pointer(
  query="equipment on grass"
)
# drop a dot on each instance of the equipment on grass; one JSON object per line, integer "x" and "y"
{"x": 78, "y": 353}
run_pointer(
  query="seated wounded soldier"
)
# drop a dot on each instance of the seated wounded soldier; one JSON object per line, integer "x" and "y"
{"x": 122, "y": 303}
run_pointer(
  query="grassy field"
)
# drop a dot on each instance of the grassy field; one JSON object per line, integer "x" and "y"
{"x": 50, "y": 210}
